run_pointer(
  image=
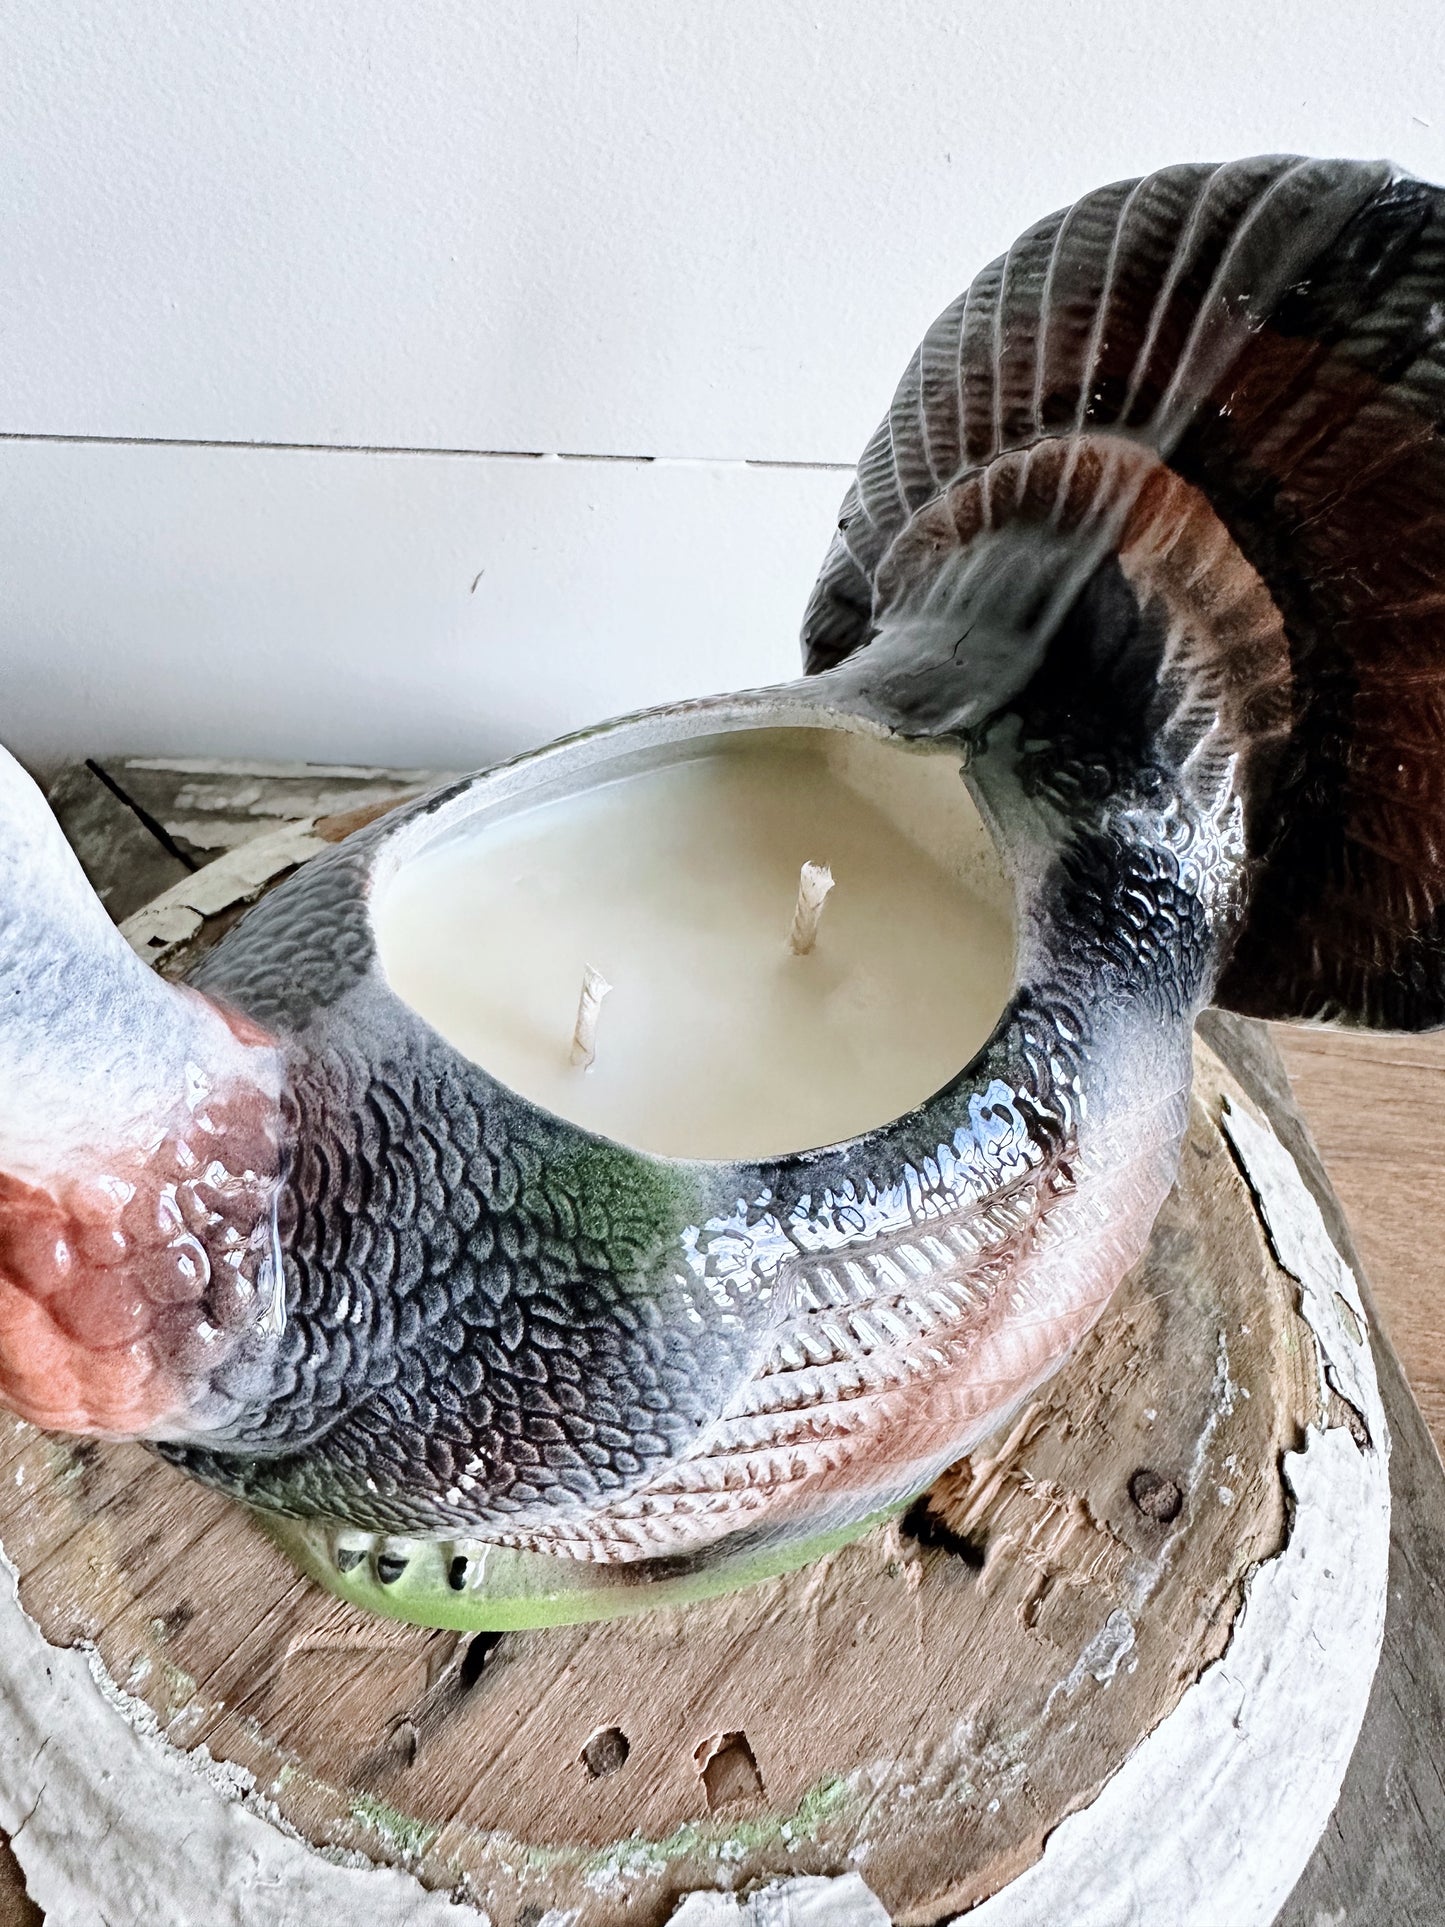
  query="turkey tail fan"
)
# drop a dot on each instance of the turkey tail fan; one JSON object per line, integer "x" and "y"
{"x": 1222, "y": 390}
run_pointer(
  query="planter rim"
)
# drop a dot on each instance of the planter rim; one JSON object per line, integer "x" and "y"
{"x": 534, "y": 777}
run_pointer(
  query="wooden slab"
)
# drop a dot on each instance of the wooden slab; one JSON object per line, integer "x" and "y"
{"x": 1375, "y": 1104}
{"x": 127, "y": 861}
{"x": 135, "y": 822}
{"x": 1379, "y": 1861}
{"x": 17, "y": 1909}
{"x": 203, "y": 806}
{"x": 925, "y": 1705}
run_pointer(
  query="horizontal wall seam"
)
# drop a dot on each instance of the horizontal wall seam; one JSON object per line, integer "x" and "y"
{"x": 384, "y": 448}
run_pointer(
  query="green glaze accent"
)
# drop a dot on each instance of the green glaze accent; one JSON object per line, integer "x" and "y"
{"x": 628, "y": 1206}
{"x": 713, "y": 1840}
{"x": 522, "y": 1590}
{"x": 710, "y": 1840}
{"x": 404, "y": 1836}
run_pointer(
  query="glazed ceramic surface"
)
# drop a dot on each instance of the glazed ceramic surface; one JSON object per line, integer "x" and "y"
{"x": 1149, "y": 541}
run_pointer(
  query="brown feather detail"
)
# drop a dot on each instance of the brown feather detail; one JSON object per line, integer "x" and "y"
{"x": 904, "y": 1349}
{"x": 1274, "y": 331}
{"x": 1226, "y": 664}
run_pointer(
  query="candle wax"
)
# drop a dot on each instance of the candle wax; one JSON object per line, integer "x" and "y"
{"x": 678, "y": 883}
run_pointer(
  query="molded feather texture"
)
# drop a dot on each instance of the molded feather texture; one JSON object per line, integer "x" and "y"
{"x": 498, "y": 1325}
{"x": 1149, "y": 537}
{"x": 1261, "y": 341}
{"x": 140, "y": 1160}
{"x": 494, "y": 1324}
{"x": 491, "y": 1315}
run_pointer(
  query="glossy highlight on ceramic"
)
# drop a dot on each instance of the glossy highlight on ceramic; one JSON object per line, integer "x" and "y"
{"x": 1149, "y": 543}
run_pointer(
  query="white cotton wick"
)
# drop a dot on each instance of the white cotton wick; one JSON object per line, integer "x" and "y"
{"x": 584, "y": 1035}
{"x": 813, "y": 887}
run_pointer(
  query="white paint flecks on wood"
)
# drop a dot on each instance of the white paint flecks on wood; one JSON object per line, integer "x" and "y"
{"x": 1272, "y": 1756}
{"x": 1271, "y": 1753}
{"x": 596, "y": 225}
{"x": 403, "y": 609}
{"x": 1332, "y": 1304}
{"x": 809, "y": 1902}
{"x": 64, "y": 1752}
{"x": 1045, "y": 1549}
{"x": 206, "y": 806}
{"x": 233, "y": 879}
{"x": 1068, "y": 1542}
{"x": 1365, "y": 1094}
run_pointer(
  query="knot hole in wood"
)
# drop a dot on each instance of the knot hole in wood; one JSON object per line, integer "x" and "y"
{"x": 729, "y": 1771}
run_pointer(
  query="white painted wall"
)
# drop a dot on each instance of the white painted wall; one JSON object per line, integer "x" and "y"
{"x": 704, "y": 231}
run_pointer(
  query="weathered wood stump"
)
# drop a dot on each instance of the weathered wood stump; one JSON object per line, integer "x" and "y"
{"x": 1056, "y": 1630}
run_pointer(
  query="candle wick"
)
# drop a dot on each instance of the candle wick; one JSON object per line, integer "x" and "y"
{"x": 584, "y": 1035}
{"x": 813, "y": 887}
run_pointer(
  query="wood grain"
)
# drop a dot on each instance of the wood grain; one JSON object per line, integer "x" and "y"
{"x": 1375, "y": 1105}
{"x": 17, "y": 1909}
{"x": 362, "y": 1724}
{"x": 794, "y": 1727}
{"x": 204, "y": 807}
{"x": 125, "y": 859}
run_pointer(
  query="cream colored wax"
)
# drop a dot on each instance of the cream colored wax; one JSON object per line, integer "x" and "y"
{"x": 678, "y": 884}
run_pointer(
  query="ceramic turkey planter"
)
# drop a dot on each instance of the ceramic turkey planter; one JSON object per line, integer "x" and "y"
{"x": 1147, "y": 553}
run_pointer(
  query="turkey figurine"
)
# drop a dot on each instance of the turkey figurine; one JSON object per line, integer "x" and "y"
{"x": 1149, "y": 546}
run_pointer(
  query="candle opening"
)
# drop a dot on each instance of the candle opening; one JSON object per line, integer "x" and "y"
{"x": 589, "y": 1007}
{"x": 677, "y": 862}
{"x": 814, "y": 883}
